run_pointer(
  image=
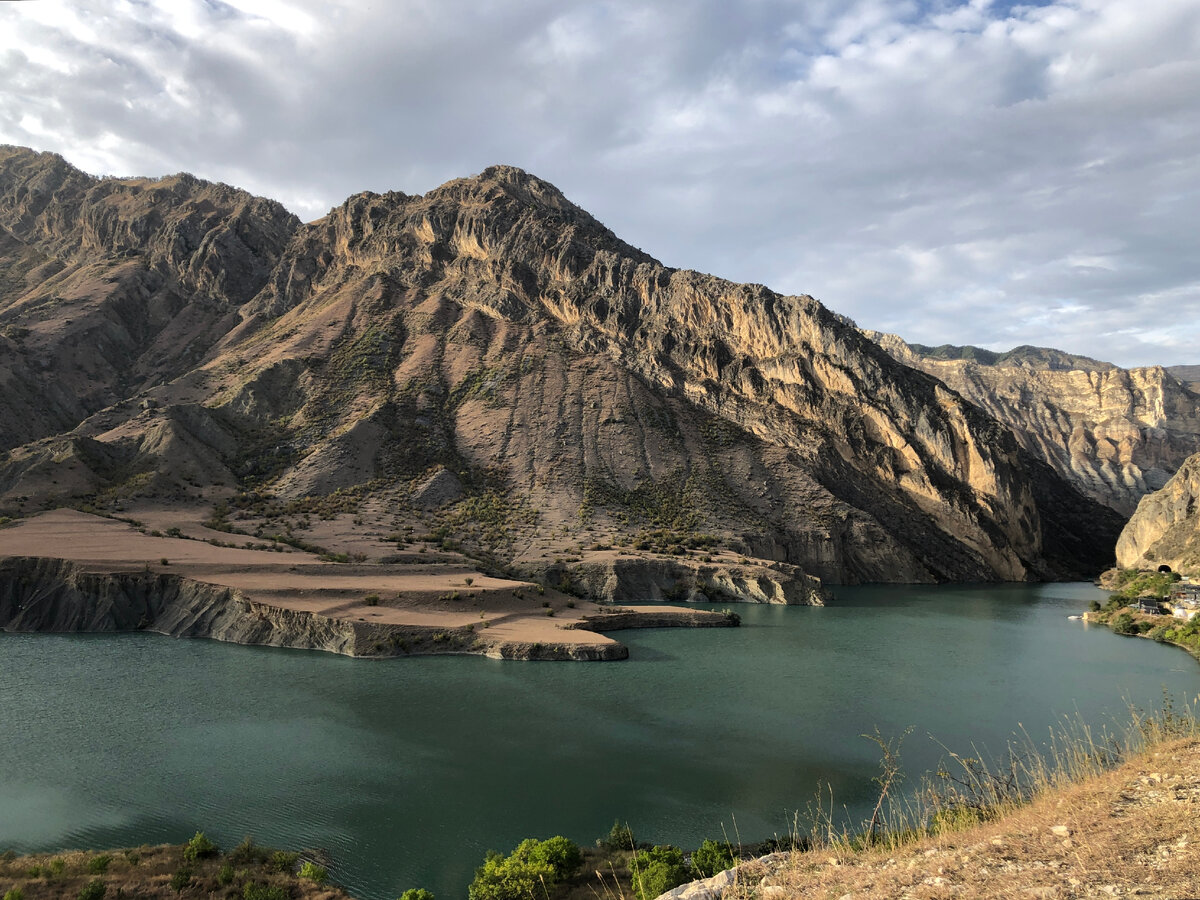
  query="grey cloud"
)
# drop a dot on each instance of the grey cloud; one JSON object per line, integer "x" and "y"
{"x": 956, "y": 173}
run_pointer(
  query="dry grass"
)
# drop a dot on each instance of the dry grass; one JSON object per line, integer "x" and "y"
{"x": 1091, "y": 816}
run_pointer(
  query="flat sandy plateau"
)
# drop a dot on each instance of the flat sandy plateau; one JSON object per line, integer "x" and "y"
{"x": 433, "y": 595}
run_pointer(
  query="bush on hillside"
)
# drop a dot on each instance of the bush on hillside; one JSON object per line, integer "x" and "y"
{"x": 527, "y": 871}
{"x": 711, "y": 858}
{"x": 657, "y": 870}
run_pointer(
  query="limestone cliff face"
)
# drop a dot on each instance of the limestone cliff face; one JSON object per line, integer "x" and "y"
{"x": 572, "y": 384}
{"x": 1165, "y": 529}
{"x": 1115, "y": 433}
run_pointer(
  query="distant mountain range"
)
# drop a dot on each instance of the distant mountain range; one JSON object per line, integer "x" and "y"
{"x": 491, "y": 364}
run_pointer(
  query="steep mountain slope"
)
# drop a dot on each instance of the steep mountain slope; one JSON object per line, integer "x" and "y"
{"x": 490, "y": 363}
{"x": 1115, "y": 433}
{"x": 110, "y": 286}
{"x": 1165, "y": 529}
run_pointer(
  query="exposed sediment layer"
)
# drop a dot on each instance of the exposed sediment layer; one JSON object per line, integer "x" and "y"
{"x": 58, "y": 596}
{"x": 630, "y": 580}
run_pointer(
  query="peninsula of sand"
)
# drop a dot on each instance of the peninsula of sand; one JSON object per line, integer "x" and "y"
{"x": 67, "y": 571}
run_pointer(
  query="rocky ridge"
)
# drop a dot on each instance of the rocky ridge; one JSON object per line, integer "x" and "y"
{"x": 1116, "y": 434}
{"x": 1165, "y": 528}
{"x": 569, "y": 384}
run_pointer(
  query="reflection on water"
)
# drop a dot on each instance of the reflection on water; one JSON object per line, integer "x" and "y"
{"x": 407, "y": 771}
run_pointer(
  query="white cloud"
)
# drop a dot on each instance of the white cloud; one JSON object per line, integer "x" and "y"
{"x": 957, "y": 172}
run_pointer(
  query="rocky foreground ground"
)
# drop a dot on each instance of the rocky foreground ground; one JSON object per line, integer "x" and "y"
{"x": 1132, "y": 832}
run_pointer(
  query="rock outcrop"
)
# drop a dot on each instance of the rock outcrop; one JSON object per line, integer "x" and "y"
{"x": 1116, "y": 434}
{"x": 53, "y": 595}
{"x": 1165, "y": 529}
{"x": 571, "y": 385}
{"x": 624, "y": 580}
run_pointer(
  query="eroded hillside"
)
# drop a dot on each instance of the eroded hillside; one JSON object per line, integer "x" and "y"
{"x": 488, "y": 364}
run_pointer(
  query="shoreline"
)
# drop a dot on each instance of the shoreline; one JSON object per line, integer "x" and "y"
{"x": 1089, "y": 618}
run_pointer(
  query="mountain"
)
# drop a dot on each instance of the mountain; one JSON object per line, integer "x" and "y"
{"x": 488, "y": 365}
{"x": 1165, "y": 529}
{"x": 1116, "y": 434}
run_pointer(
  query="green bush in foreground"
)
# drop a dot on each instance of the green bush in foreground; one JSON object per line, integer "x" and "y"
{"x": 98, "y": 865}
{"x": 93, "y": 890}
{"x": 711, "y": 858}
{"x": 313, "y": 872}
{"x": 181, "y": 879}
{"x": 525, "y": 872}
{"x": 198, "y": 848}
{"x": 18, "y": 894}
{"x": 657, "y": 870}
{"x": 417, "y": 894}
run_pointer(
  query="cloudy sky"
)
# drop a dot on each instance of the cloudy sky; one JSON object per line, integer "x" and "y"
{"x": 983, "y": 172}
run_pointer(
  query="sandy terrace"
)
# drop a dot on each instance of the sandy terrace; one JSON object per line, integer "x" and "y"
{"x": 420, "y": 595}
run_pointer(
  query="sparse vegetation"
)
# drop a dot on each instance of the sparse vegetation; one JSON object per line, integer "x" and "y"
{"x": 152, "y": 871}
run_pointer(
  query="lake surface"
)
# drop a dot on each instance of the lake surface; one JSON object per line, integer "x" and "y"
{"x": 406, "y": 771}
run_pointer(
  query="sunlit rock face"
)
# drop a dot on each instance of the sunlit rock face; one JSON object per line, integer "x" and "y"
{"x": 1116, "y": 434}
{"x": 177, "y": 339}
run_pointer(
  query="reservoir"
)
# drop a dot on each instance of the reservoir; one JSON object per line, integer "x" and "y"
{"x": 406, "y": 771}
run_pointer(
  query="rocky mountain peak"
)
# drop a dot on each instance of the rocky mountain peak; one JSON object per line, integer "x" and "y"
{"x": 493, "y": 330}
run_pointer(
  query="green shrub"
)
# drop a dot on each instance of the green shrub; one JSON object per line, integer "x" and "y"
{"x": 255, "y": 891}
{"x": 248, "y": 852}
{"x": 18, "y": 894}
{"x": 98, "y": 865}
{"x": 57, "y": 867}
{"x": 619, "y": 837}
{"x": 657, "y": 870}
{"x": 93, "y": 890}
{"x": 313, "y": 872}
{"x": 199, "y": 847}
{"x": 181, "y": 879}
{"x": 417, "y": 894}
{"x": 1094, "y": 606}
{"x": 34, "y": 872}
{"x": 711, "y": 858}
{"x": 562, "y": 856}
{"x": 531, "y": 867}
{"x": 1123, "y": 624}
{"x": 284, "y": 861}
{"x": 133, "y": 857}
{"x": 371, "y": 600}
{"x": 225, "y": 874}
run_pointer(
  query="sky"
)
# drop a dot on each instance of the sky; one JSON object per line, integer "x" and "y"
{"x": 983, "y": 173}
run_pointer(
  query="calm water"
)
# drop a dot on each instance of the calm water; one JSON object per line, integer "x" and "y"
{"x": 407, "y": 771}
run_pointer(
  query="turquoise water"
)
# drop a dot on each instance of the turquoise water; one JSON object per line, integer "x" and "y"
{"x": 407, "y": 771}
